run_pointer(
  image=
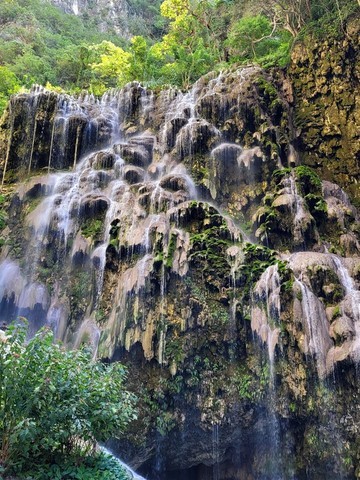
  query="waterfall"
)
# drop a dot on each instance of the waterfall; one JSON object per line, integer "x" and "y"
{"x": 215, "y": 447}
{"x": 317, "y": 341}
{"x": 132, "y": 240}
{"x": 351, "y": 302}
{"x": 264, "y": 321}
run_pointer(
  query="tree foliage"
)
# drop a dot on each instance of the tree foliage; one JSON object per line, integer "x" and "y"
{"x": 37, "y": 40}
{"x": 252, "y": 38}
{"x": 114, "y": 65}
{"x": 175, "y": 41}
{"x": 54, "y": 403}
{"x": 9, "y": 84}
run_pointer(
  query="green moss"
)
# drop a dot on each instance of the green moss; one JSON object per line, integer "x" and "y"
{"x": 279, "y": 174}
{"x": 31, "y": 204}
{"x": 251, "y": 385}
{"x": 208, "y": 251}
{"x": 114, "y": 242}
{"x": 266, "y": 89}
{"x": 3, "y": 213}
{"x": 100, "y": 315}
{"x": 198, "y": 166}
{"x": 174, "y": 349}
{"x": 171, "y": 250}
{"x": 308, "y": 180}
{"x": 325, "y": 284}
{"x": 165, "y": 422}
{"x": 79, "y": 292}
{"x": 3, "y": 218}
{"x": 216, "y": 312}
{"x": 257, "y": 259}
{"x": 317, "y": 205}
{"x": 336, "y": 312}
{"x": 219, "y": 314}
{"x": 92, "y": 228}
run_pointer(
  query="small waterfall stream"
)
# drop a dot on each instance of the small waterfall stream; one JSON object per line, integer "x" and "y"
{"x": 132, "y": 474}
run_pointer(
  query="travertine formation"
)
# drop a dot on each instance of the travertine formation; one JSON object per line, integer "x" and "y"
{"x": 183, "y": 234}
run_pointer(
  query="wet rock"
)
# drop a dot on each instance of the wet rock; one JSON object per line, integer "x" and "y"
{"x": 327, "y": 114}
{"x": 196, "y": 137}
{"x": 146, "y": 141}
{"x": 103, "y": 161}
{"x": 180, "y": 261}
{"x": 93, "y": 205}
{"x": 174, "y": 182}
{"x": 171, "y": 130}
{"x": 192, "y": 214}
{"x": 342, "y": 329}
{"x": 36, "y": 187}
{"x": 349, "y": 244}
{"x": 134, "y": 154}
{"x": 133, "y": 175}
{"x": 80, "y": 250}
{"x": 224, "y": 173}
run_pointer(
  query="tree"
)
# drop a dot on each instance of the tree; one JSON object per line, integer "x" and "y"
{"x": 139, "y": 58}
{"x": 292, "y": 15}
{"x": 192, "y": 46}
{"x": 9, "y": 84}
{"x": 255, "y": 38}
{"x": 114, "y": 66}
{"x": 55, "y": 403}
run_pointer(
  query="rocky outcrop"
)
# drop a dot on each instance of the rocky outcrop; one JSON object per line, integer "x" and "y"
{"x": 325, "y": 78}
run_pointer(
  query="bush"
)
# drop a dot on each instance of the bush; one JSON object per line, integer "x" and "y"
{"x": 56, "y": 404}
{"x": 97, "y": 467}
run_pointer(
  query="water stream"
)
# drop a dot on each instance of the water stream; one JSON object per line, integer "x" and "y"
{"x": 132, "y": 474}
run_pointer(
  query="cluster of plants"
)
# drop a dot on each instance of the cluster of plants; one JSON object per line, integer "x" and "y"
{"x": 311, "y": 189}
{"x": 257, "y": 258}
{"x": 55, "y": 406}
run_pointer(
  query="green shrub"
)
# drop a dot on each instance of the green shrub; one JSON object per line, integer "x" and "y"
{"x": 92, "y": 228}
{"x": 97, "y": 467}
{"x": 56, "y": 404}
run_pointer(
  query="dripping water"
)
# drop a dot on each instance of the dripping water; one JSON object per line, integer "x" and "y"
{"x": 12, "y": 120}
{"x": 215, "y": 452}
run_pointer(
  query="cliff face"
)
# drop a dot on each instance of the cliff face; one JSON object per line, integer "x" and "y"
{"x": 325, "y": 76}
{"x": 183, "y": 235}
{"x": 108, "y": 15}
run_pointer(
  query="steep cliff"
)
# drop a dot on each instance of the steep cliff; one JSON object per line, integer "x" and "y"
{"x": 108, "y": 16}
{"x": 185, "y": 234}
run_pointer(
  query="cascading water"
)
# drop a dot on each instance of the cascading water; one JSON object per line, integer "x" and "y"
{"x": 122, "y": 248}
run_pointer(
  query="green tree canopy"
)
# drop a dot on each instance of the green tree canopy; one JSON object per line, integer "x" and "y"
{"x": 256, "y": 38}
{"x": 114, "y": 65}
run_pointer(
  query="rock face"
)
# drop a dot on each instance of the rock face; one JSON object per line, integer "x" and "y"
{"x": 180, "y": 233}
{"x": 110, "y": 15}
{"x": 325, "y": 76}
